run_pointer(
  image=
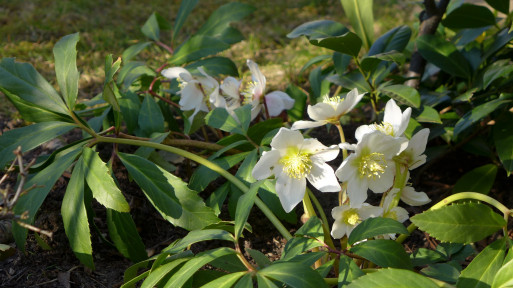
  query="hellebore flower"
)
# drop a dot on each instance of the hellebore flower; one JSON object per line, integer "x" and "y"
{"x": 346, "y": 218}
{"x": 394, "y": 122}
{"x": 329, "y": 110}
{"x": 196, "y": 92}
{"x": 276, "y": 101}
{"x": 370, "y": 166}
{"x": 413, "y": 155}
{"x": 294, "y": 159}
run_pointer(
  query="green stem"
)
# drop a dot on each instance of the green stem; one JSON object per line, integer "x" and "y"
{"x": 327, "y": 235}
{"x": 460, "y": 196}
{"x": 212, "y": 166}
{"x": 81, "y": 125}
{"x": 342, "y": 139}
{"x": 307, "y": 204}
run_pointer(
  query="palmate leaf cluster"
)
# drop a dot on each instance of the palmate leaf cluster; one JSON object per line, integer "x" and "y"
{"x": 464, "y": 90}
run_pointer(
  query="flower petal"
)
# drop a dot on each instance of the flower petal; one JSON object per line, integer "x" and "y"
{"x": 357, "y": 191}
{"x": 368, "y": 211}
{"x": 338, "y": 230}
{"x": 290, "y": 190}
{"x": 278, "y": 101}
{"x": 384, "y": 181}
{"x": 400, "y": 213}
{"x": 263, "y": 168}
{"x": 352, "y": 98}
{"x": 413, "y": 198}
{"x": 307, "y": 124}
{"x": 321, "y": 111}
{"x": 286, "y": 138}
{"x": 257, "y": 77}
{"x": 174, "y": 72}
{"x": 323, "y": 178}
{"x": 362, "y": 130}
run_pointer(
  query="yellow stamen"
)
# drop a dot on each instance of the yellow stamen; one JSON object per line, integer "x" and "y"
{"x": 296, "y": 164}
{"x": 351, "y": 216}
{"x": 385, "y": 127}
{"x": 333, "y": 101}
{"x": 248, "y": 93}
{"x": 372, "y": 165}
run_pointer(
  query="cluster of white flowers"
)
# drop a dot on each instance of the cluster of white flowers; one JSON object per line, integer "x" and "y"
{"x": 203, "y": 93}
{"x": 381, "y": 153}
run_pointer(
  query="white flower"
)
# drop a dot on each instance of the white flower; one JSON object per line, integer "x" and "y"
{"x": 413, "y": 155}
{"x": 276, "y": 101}
{"x": 329, "y": 110}
{"x": 294, "y": 159}
{"x": 370, "y": 166}
{"x": 196, "y": 91}
{"x": 394, "y": 122}
{"x": 346, "y": 218}
{"x": 414, "y": 198}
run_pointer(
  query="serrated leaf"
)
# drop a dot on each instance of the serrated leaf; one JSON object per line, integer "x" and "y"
{"x": 348, "y": 43}
{"x": 184, "y": 11}
{"x": 442, "y": 271}
{"x": 109, "y": 97}
{"x": 459, "y": 223}
{"x": 215, "y": 66}
{"x": 123, "y": 232}
{"x": 297, "y": 246}
{"x": 469, "y": 16}
{"x": 402, "y": 93}
{"x": 65, "y": 54}
{"x": 348, "y": 271}
{"x": 503, "y": 140}
{"x": 384, "y": 253}
{"x": 74, "y": 217}
{"x": 373, "y": 227}
{"x": 423, "y": 256}
{"x": 361, "y": 16}
{"x": 444, "y": 55}
{"x": 318, "y": 29}
{"x": 220, "y": 119}
{"x": 197, "y": 47}
{"x": 477, "y": 114}
{"x": 98, "y": 178}
{"x": 370, "y": 63}
{"x": 151, "y": 119}
{"x": 189, "y": 268}
{"x": 169, "y": 194}
{"x": 393, "y": 278}
{"x": 259, "y": 257}
{"x": 482, "y": 270}
{"x": 22, "y": 80}
{"x": 428, "y": 114}
{"x": 312, "y": 228}
{"x": 29, "y": 137}
{"x": 220, "y": 19}
{"x": 504, "y": 277}
{"x": 293, "y": 275}
{"x": 44, "y": 181}
{"x": 395, "y": 39}
{"x": 34, "y": 113}
{"x": 479, "y": 180}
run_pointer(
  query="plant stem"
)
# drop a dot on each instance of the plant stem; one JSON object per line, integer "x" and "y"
{"x": 214, "y": 167}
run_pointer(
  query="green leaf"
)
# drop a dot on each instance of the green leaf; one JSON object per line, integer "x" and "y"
{"x": 161, "y": 272}
{"x": 394, "y": 40}
{"x": 498, "y": 69}
{"x": 477, "y": 114}
{"x": 268, "y": 194}
{"x": 244, "y": 116}
{"x": 361, "y": 16}
{"x": 370, "y": 63}
{"x": 246, "y": 168}
{"x": 501, "y": 5}
{"x": 297, "y": 246}
{"x": 319, "y": 29}
{"x": 293, "y": 275}
{"x": 480, "y": 180}
{"x": 373, "y": 227}
{"x": 442, "y": 271}
{"x": 111, "y": 68}
{"x": 220, "y": 19}
{"x": 351, "y": 80}
{"x": 99, "y": 179}
{"x": 197, "y": 47}
{"x": 225, "y": 281}
{"x": 150, "y": 117}
{"x": 130, "y": 106}
{"x": 459, "y": 223}
{"x": 504, "y": 277}
{"x": 469, "y": 16}
{"x": 307, "y": 259}
{"x": 145, "y": 152}
{"x": 22, "y": 80}
{"x": 153, "y": 25}
{"x": 123, "y": 232}
{"x": 43, "y": 182}
{"x": 348, "y": 271}
{"x": 499, "y": 41}
{"x": 184, "y": 11}
{"x": 428, "y": 114}
{"x": 169, "y": 194}
{"x": 384, "y": 253}
{"x": 444, "y": 55}
{"x": 423, "y": 256}
{"x": 65, "y": 54}
{"x": 402, "y": 93}
{"x": 348, "y": 43}
{"x": 244, "y": 205}
{"x": 74, "y": 217}
{"x": 132, "y": 71}
{"x": 220, "y": 119}
{"x": 34, "y": 113}
{"x": 215, "y": 66}
{"x": 245, "y": 282}
{"x": 203, "y": 175}
{"x": 201, "y": 259}
{"x": 296, "y": 113}
{"x": 483, "y": 269}
{"x": 134, "y": 50}
{"x": 503, "y": 140}
{"x": 264, "y": 282}
{"x": 259, "y": 257}
{"x": 29, "y": 137}
{"x": 109, "y": 97}
{"x": 312, "y": 228}
{"x": 196, "y": 236}
{"x": 313, "y": 61}
{"x": 393, "y": 278}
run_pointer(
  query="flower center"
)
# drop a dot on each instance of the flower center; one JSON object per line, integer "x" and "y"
{"x": 390, "y": 214}
{"x": 332, "y": 101}
{"x": 251, "y": 91}
{"x": 296, "y": 164}
{"x": 385, "y": 127}
{"x": 351, "y": 216}
{"x": 372, "y": 165}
